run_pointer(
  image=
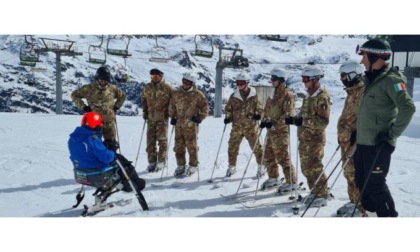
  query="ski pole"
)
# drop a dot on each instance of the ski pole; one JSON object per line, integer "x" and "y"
{"x": 349, "y": 155}
{"x": 196, "y": 144}
{"x": 249, "y": 161}
{"x": 141, "y": 139}
{"x": 378, "y": 151}
{"x": 167, "y": 153}
{"x": 262, "y": 162}
{"x": 118, "y": 137}
{"x": 217, "y": 155}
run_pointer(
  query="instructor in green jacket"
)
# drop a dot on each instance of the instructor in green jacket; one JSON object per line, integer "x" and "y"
{"x": 385, "y": 111}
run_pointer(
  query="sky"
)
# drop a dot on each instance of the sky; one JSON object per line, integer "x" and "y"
{"x": 28, "y": 150}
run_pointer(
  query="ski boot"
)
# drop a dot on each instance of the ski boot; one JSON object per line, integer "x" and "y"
{"x": 261, "y": 171}
{"x": 286, "y": 187}
{"x": 317, "y": 202}
{"x": 179, "y": 171}
{"x": 191, "y": 170}
{"x": 270, "y": 183}
{"x": 231, "y": 170}
{"x": 151, "y": 167}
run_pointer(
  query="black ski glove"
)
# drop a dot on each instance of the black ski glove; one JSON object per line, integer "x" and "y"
{"x": 257, "y": 117}
{"x": 353, "y": 137}
{"x": 262, "y": 125}
{"x": 87, "y": 109}
{"x": 381, "y": 138}
{"x": 227, "y": 120}
{"x": 268, "y": 124}
{"x": 289, "y": 120}
{"x": 173, "y": 121}
{"x": 111, "y": 145}
{"x": 298, "y": 121}
{"x": 196, "y": 119}
{"x": 145, "y": 116}
{"x": 115, "y": 108}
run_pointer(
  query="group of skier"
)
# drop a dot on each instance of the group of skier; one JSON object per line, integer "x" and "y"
{"x": 376, "y": 112}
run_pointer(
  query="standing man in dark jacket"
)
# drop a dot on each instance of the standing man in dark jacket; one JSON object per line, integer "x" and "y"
{"x": 155, "y": 99}
{"x": 385, "y": 111}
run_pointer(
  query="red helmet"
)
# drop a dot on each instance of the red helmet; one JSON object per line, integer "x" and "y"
{"x": 92, "y": 120}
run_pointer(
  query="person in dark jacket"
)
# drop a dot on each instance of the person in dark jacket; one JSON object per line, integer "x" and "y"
{"x": 385, "y": 111}
{"x": 88, "y": 152}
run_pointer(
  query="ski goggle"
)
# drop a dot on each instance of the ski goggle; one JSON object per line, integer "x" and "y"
{"x": 240, "y": 82}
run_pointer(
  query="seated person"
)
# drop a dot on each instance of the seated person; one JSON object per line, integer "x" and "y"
{"x": 89, "y": 154}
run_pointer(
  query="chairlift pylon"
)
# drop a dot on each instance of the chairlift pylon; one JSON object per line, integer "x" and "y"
{"x": 203, "y": 46}
{"x": 159, "y": 53}
{"x": 97, "y": 54}
{"x": 116, "y": 46}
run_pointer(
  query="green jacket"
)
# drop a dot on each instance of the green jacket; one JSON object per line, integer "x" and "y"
{"x": 386, "y": 107}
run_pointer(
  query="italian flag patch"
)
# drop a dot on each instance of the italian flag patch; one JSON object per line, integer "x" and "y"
{"x": 399, "y": 87}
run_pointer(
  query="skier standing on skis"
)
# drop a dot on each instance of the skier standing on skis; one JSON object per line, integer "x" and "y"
{"x": 188, "y": 108}
{"x": 244, "y": 111}
{"x": 351, "y": 76}
{"x": 312, "y": 121}
{"x": 279, "y": 105}
{"x": 88, "y": 153}
{"x": 155, "y": 99}
{"x": 102, "y": 97}
{"x": 385, "y": 111}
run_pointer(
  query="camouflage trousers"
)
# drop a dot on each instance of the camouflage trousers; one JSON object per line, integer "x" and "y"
{"x": 157, "y": 132}
{"x": 311, "y": 154}
{"x": 276, "y": 152}
{"x": 109, "y": 131}
{"x": 235, "y": 139}
{"x": 352, "y": 189}
{"x": 186, "y": 139}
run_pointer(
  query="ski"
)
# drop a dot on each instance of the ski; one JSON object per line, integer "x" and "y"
{"x": 95, "y": 209}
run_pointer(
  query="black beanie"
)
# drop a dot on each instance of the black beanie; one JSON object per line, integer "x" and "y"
{"x": 156, "y": 71}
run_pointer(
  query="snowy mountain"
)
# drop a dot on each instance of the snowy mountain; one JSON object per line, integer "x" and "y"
{"x": 32, "y": 89}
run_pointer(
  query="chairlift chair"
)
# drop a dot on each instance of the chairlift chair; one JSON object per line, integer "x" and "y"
{"x": 113, "y": 42}
{"x": 159, "y": 54}
{"x": 203, "y": 46}
{"x": 28, "y": 53}
{"x": 97, "y": 54}
{"x": 272, "y": 37}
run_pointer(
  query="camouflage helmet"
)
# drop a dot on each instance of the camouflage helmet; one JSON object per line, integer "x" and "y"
{"x": 190, "y": 76}
{"x": 313, "y": 72}
{"x": 92, "y": 120}
{"x": 103, "y": 73}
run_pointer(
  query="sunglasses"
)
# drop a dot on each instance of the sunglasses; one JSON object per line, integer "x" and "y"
{"x": 186, "y": 82}
{"x": 305, "y": 78}
{"x": 240, "y": 83}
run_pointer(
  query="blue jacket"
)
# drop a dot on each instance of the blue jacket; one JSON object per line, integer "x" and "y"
{"x": 87, "y": 150}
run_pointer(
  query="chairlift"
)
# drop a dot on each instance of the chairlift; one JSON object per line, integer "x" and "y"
{"x": 28, "y": 52}
{"x": 121, "y": 75}
{"x": 203, "y": 46}
{"x": 159, "y": 54}
{"x": 27, "y": 63}
{"x": 114, "y": 46}
{"x": 273, "y": 37}
{"x": 97, "y": 54}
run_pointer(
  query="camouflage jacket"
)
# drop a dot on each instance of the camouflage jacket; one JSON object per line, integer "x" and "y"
{"x": 155, "y": 100}
{"x": 385, "y": 107}
{"x": 100, "y": 99}
{"x": 186, "y": 103}
{"x": 278, "y": 106}
{"x": 241, "y": 111}
{"x": 348, "y": 120}
{"x": 315, "y": 112}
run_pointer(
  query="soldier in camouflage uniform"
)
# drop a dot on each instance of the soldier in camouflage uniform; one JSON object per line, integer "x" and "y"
{"x": 351, "y": 76}
{"x": 155, "y": 101}
{"x": 188, "y": 107}
{"x": 102, "y": 97}
{"x": 312, "y": 121}
{"x": 244, "y": 111}
{"x": 279, "y": 105}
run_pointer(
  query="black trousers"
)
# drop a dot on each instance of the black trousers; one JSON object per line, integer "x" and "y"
{"x": 375, "y": 161}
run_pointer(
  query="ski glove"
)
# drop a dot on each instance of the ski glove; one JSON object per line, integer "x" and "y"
{"x": 268, "y": 124}
{"x": 382, "y": 138}
{"x": 173, "y": 121}
{"x": 145, "y": 116}
{"x": 262, "y": 125}
{"x": 87, "y": 109}
{"x": 257, "y": 117}
{"x": 115, "y": 108}
{"x": 227, "y": 120}
{"x": 289, "y": 120}
{"x": 298, "y": 121}
{"x": 353, "y": 137}
{"x": 196, "y": 119}
{"x": 111, "y": 144}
